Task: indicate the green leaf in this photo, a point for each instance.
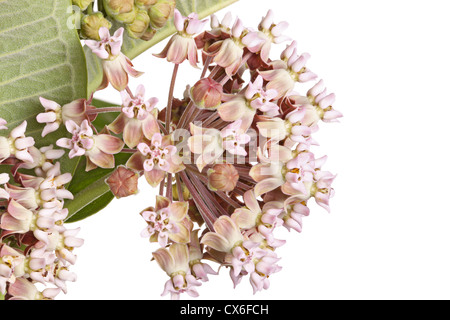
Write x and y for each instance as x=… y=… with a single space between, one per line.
x=39 y=56
x=132 y=47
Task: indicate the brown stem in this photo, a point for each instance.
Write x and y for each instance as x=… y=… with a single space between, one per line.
x=205 y=68
x=129 y=92
x=189 y=109
x=216 y=208
x=103 y=110
x=179 y=188
x=169 y=193
x=170 y=101
x=161 y=187
x=201 y=206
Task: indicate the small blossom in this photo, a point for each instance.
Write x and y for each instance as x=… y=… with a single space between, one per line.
x=11 y=266
x=137 y=119
x=270 y=33
x=3 y=124
x=182 y=45
x=175 y=262
x=227 y=235
x=116 y=66
x=17 y=144
x=233 y=138
x=229 y=53
x=198 y=269
x=156 y=159
x=252 y=216
x=23 y=289
x=285 y=73
x=98 y=149
x=245 y=105
x=165 y=222
x=54 y=114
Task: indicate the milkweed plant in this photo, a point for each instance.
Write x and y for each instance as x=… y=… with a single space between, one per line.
x=230 y=157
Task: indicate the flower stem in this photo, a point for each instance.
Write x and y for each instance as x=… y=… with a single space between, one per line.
x=104 y=110
x=170 y=100
x=205 y=68
x=179 y=187
x=202 y=208
x=169 y=193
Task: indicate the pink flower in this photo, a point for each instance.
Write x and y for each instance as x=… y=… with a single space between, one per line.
x=23 y=289
x=270 y=33
x=156 y=159
x=182 y=45
x=166 y=222
x=322 y=190
x=54 y=114
x=198 y=269
x=300 y=170
x=43 y=159
x=12 y=265
x=225 y=237
x=98 y=149
x=234 y=137
x=207 y=143
x=137 y=119
x=175 y=262
x=3 y=124
x=243 y=106
x=17 y=144
x=285 y=73
x=295 y=210
x=265 y=220
x=116 y=66
x=229 y=53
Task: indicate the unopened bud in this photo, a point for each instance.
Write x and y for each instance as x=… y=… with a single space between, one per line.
x=149 y=34
x=83 y=4
x=161 y=12
x=121 y=10
x=145 y=4
x=222 y=177
x=91 y=24
x=207 y=94
x=123 y=182
x=118 y=6
x=140 y=25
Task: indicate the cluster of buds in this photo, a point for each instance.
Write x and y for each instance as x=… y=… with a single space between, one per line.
x=35 y=246
x=141 y=18
x=232 y=158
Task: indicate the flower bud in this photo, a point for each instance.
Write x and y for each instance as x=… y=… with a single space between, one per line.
x=140 y=25
x=91 y=24
x=207 y=94
x=145 y=4
x=161 y=12
x=222 y=177
x=121 y=10
x=83 y=4
x=149 y=34
x=123 y=182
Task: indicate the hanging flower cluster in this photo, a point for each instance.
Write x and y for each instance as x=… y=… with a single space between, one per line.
x=232 y=158
x=36 y=248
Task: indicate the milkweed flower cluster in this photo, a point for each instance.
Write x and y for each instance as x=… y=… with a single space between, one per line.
x=36 y=249
x=232 y=157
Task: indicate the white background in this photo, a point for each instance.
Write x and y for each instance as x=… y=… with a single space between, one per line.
x=388 y=234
